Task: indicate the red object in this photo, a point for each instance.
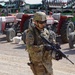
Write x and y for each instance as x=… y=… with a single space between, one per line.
x=3 y=27
x=50 y=20
x=62 y=19
x=24 y=18
x=6 y=19
x=17 y=11
x=50 y=13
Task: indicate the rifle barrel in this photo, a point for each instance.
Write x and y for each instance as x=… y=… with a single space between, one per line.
x=54 y=48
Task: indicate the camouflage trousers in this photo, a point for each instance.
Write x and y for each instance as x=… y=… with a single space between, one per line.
x=40 y=69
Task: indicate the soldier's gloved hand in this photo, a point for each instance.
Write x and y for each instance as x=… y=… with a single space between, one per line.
x=47 y=47
x=57 y=46
x=58 y=56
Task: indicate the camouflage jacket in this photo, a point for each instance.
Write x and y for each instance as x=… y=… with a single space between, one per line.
x=35 y=45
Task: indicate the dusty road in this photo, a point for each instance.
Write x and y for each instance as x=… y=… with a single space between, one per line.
x=14 y=58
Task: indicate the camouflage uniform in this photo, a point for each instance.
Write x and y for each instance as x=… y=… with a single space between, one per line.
x=41 y=61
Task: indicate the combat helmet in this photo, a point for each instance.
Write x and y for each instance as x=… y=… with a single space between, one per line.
x=39 y=16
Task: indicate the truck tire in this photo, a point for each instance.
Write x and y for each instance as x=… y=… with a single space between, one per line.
x=24 y=37
x=10 y=33
x=66 y=29
x=71 y=38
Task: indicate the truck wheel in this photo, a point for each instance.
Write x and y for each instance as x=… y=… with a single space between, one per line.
x=71 y=40
x=66 y=29
x=10 y=34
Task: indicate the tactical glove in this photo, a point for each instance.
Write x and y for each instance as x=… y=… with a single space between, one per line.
x=57 y=46
x=47 y=47
x=58 y=56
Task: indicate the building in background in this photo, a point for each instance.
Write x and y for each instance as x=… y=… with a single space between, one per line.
x=14 y=5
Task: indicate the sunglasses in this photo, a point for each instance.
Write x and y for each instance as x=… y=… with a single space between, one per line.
x=41 y=22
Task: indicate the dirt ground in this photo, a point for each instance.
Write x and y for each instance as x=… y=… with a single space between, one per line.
x=14 y=59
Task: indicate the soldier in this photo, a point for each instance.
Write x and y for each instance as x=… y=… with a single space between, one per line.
x=40 y=53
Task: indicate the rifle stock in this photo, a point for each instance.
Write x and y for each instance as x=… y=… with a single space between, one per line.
x=54 y=48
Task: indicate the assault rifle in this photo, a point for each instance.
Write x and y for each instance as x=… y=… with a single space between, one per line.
x=54 y=48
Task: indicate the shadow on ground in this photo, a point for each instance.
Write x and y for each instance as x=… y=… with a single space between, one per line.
x=3 y=40
x=70 y=51
x=20 y=46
